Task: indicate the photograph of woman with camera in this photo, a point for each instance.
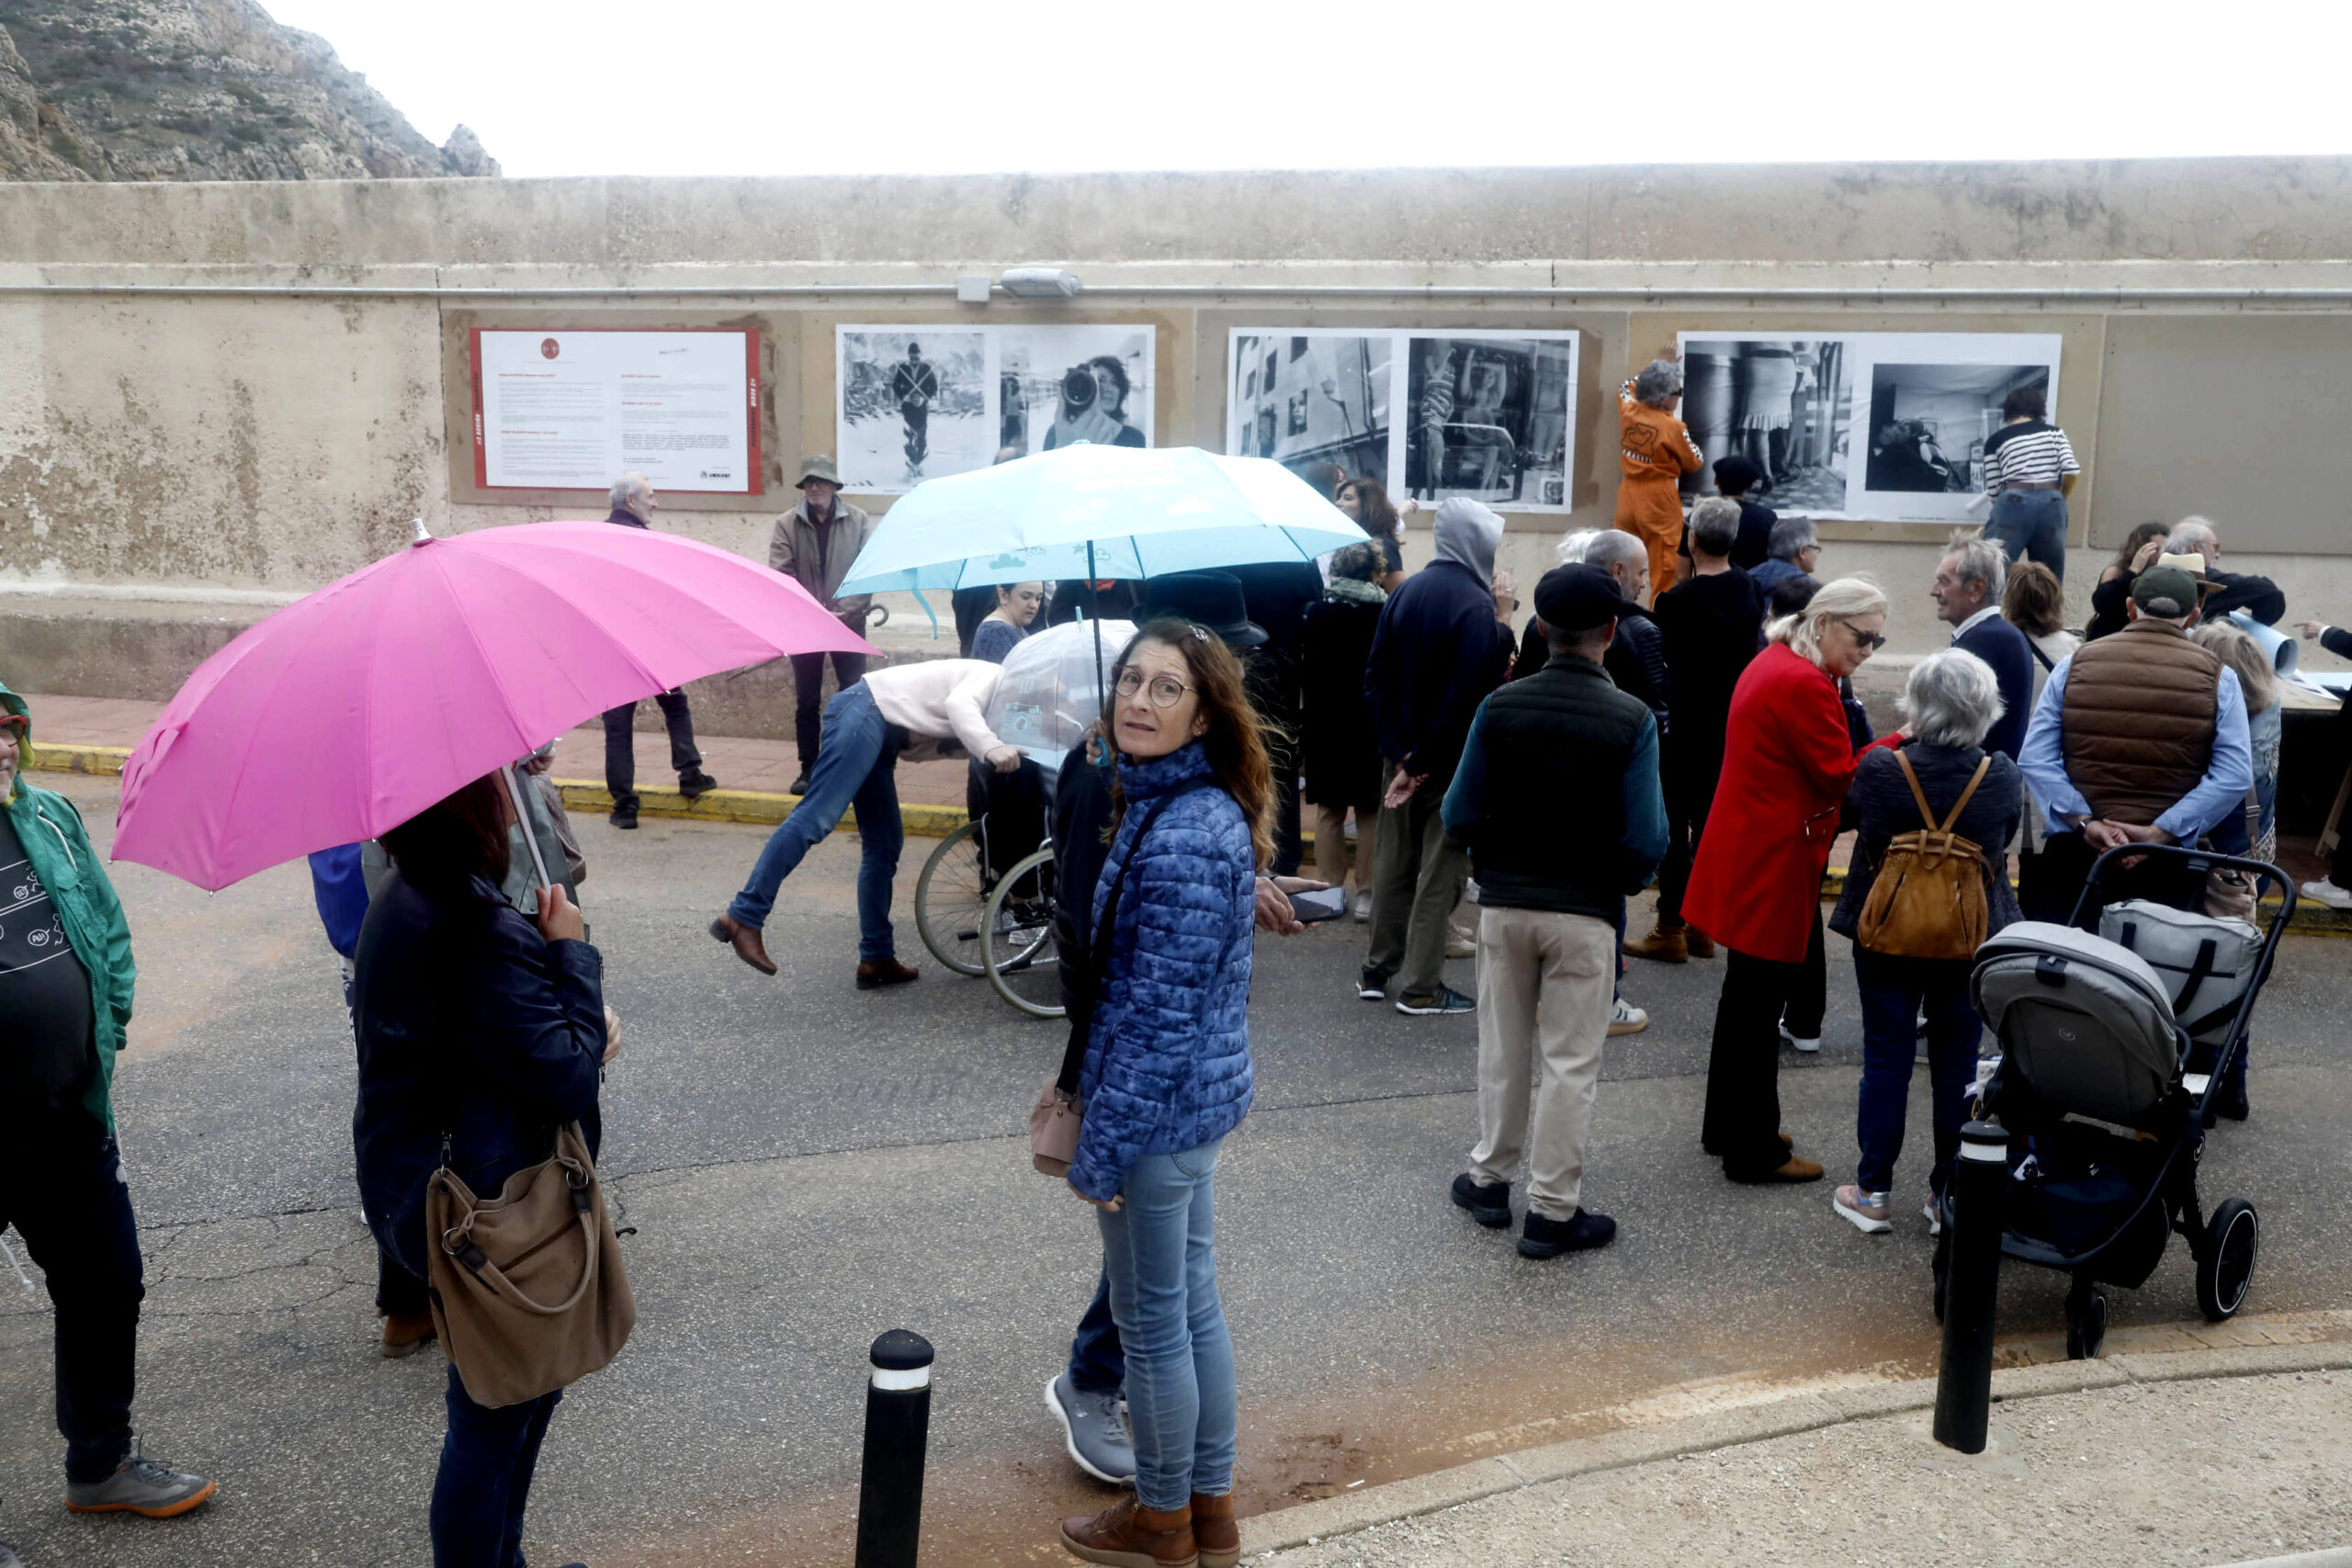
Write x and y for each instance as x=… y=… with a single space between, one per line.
x=1095 y=406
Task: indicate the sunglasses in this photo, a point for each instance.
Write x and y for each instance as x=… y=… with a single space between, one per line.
x=1872 y=640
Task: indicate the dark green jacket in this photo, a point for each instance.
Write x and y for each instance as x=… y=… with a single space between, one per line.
x=62 y=856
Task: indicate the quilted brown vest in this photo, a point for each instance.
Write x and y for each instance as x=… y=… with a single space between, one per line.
x=2136 y=726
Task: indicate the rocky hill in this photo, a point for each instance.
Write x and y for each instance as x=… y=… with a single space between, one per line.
x=195 y=90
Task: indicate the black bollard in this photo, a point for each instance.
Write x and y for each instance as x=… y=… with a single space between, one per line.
x=898 y=1425
x=1980 y=1181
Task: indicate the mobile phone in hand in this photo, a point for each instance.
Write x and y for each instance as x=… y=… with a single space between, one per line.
x=1327 y=905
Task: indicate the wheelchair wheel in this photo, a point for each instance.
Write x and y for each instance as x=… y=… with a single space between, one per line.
x=951 y=900
x=2086 y=1320
x=1017 y=939
x=2225 y=1263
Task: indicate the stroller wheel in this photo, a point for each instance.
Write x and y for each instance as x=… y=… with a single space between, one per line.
x=2085 y=1321
x=2225 y=1264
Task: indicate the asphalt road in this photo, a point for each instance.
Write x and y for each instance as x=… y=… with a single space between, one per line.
x=806 y=1165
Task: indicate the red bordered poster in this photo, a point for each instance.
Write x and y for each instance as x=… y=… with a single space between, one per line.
x=573 y=408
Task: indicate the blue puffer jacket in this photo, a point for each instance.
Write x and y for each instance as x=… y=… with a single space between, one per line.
x=1168 y=1063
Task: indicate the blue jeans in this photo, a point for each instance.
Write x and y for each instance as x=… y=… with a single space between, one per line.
x=1893 y=992
x=486 y=1465
x=856 y=765
x=2031 y=524
x=1098 y=1364
x=1158 y=1252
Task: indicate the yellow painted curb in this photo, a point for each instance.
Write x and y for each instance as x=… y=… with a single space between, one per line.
x=747 y=806
x=77 y=759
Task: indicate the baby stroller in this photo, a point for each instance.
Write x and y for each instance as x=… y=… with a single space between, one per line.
x=2112 y=1043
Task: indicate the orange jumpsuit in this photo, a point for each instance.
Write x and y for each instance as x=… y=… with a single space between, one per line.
x=1655 y=450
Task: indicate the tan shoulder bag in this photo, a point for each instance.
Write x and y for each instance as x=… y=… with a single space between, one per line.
x=528 y=1290
x=1928 y=900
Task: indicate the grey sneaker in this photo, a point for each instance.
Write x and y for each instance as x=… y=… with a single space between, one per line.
x=1093 y=1430
x=1443 y=1002
x=140 y=1487
x=8 y=1558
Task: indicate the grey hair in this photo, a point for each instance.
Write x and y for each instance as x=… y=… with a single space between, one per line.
x=2192 y=535
x=628 y=490
x=1840 y=600
x=1952 y=699
x=1976 y=559
x=1613 y=547
x=1658 y=383
x=1791 y=537
x=1715 y=525
x=2257 y=677
x=1573 y=546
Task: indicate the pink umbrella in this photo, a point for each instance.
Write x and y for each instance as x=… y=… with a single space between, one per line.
x=347 y=712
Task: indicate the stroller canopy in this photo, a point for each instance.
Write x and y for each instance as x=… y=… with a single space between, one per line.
x=2083 y=1020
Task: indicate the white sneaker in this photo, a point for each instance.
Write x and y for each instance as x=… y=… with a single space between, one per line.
x=1808 y=1045
x=1627 y=1019
x=1460 y=942
x=1363 y=909
x=2327 y=893
x=1870 y=1212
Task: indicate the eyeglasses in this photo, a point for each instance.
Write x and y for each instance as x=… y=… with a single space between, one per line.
x=1872 y=640
x=1166 y=690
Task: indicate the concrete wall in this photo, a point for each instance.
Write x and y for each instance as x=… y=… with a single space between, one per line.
x=172 y=462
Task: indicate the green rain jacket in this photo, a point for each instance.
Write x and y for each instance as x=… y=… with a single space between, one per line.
x=59 y=848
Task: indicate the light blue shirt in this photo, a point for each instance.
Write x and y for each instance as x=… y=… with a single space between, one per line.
x=2228 y=775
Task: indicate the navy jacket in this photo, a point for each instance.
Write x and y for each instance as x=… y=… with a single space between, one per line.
x=1435 y=655
x=469 y=1024
x=2000 y=644
x=1168 y=1063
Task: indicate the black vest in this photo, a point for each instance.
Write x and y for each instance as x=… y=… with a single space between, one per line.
x=1550 y=831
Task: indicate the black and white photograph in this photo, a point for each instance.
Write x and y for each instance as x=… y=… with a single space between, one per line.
x=1305 y=398
x=1785 y=404
x=913 y=406
x=1490 y=417
x=1057 y=385
x=1929 y=423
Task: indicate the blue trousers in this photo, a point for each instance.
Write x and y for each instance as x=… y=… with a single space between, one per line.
x=856 y=765
x=487 y=1461
x=1160 y=1255
x=2031 y=524
x=1098 y=1364
x=1894 y=990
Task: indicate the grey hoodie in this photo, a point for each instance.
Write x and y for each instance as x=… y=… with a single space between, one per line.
x=1469 y=533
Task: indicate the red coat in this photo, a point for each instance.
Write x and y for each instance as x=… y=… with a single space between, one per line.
x=1756 y=886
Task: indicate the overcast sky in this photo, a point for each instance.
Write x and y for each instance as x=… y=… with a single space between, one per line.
x=858 y=86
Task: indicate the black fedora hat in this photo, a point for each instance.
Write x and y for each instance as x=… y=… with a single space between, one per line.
x=1210 y=599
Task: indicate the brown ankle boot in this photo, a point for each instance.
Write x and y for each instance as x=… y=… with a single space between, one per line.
x=1128 y=1535
x=405 y=1333
x=1665 y=944
x=1700 y=943
x=889 y=972
x=1214 y=1530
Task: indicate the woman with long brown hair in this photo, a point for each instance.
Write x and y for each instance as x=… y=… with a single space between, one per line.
x=1167 y=1075
x=1367 y=505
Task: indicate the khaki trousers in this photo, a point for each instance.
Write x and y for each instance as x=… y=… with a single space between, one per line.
x=1417 y=880
x=1545 y=981
x=1331 y=846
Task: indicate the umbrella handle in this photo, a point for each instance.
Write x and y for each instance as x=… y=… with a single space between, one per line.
x=512 y=776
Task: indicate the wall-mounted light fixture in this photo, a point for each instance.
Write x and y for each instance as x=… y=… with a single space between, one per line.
x=1040 y=283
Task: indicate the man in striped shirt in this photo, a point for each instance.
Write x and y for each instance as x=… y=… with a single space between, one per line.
x=2026 y=465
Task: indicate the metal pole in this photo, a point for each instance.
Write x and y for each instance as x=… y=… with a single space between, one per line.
x=1980 y=1179
x=898 y=1425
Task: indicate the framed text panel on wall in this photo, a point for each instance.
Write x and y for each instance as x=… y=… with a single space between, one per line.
x=560 y=409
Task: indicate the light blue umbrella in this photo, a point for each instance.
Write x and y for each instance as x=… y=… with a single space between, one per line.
x=1095 y=512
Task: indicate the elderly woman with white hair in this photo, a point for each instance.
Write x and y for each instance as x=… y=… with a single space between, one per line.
x=1952 y=700
x=1756 y=886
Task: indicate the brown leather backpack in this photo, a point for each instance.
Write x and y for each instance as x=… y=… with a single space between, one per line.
x=1928 y=900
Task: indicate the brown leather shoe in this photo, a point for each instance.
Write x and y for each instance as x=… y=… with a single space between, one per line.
x=1699 y=944
x=1214 y=1530
x=1666 y=945
x=745 y=941
x=1128 y=1535
x=890 y=971
x=406 y=1334
x=1797 y=1169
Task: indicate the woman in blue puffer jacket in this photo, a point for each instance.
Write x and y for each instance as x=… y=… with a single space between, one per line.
x=1167 y=1077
